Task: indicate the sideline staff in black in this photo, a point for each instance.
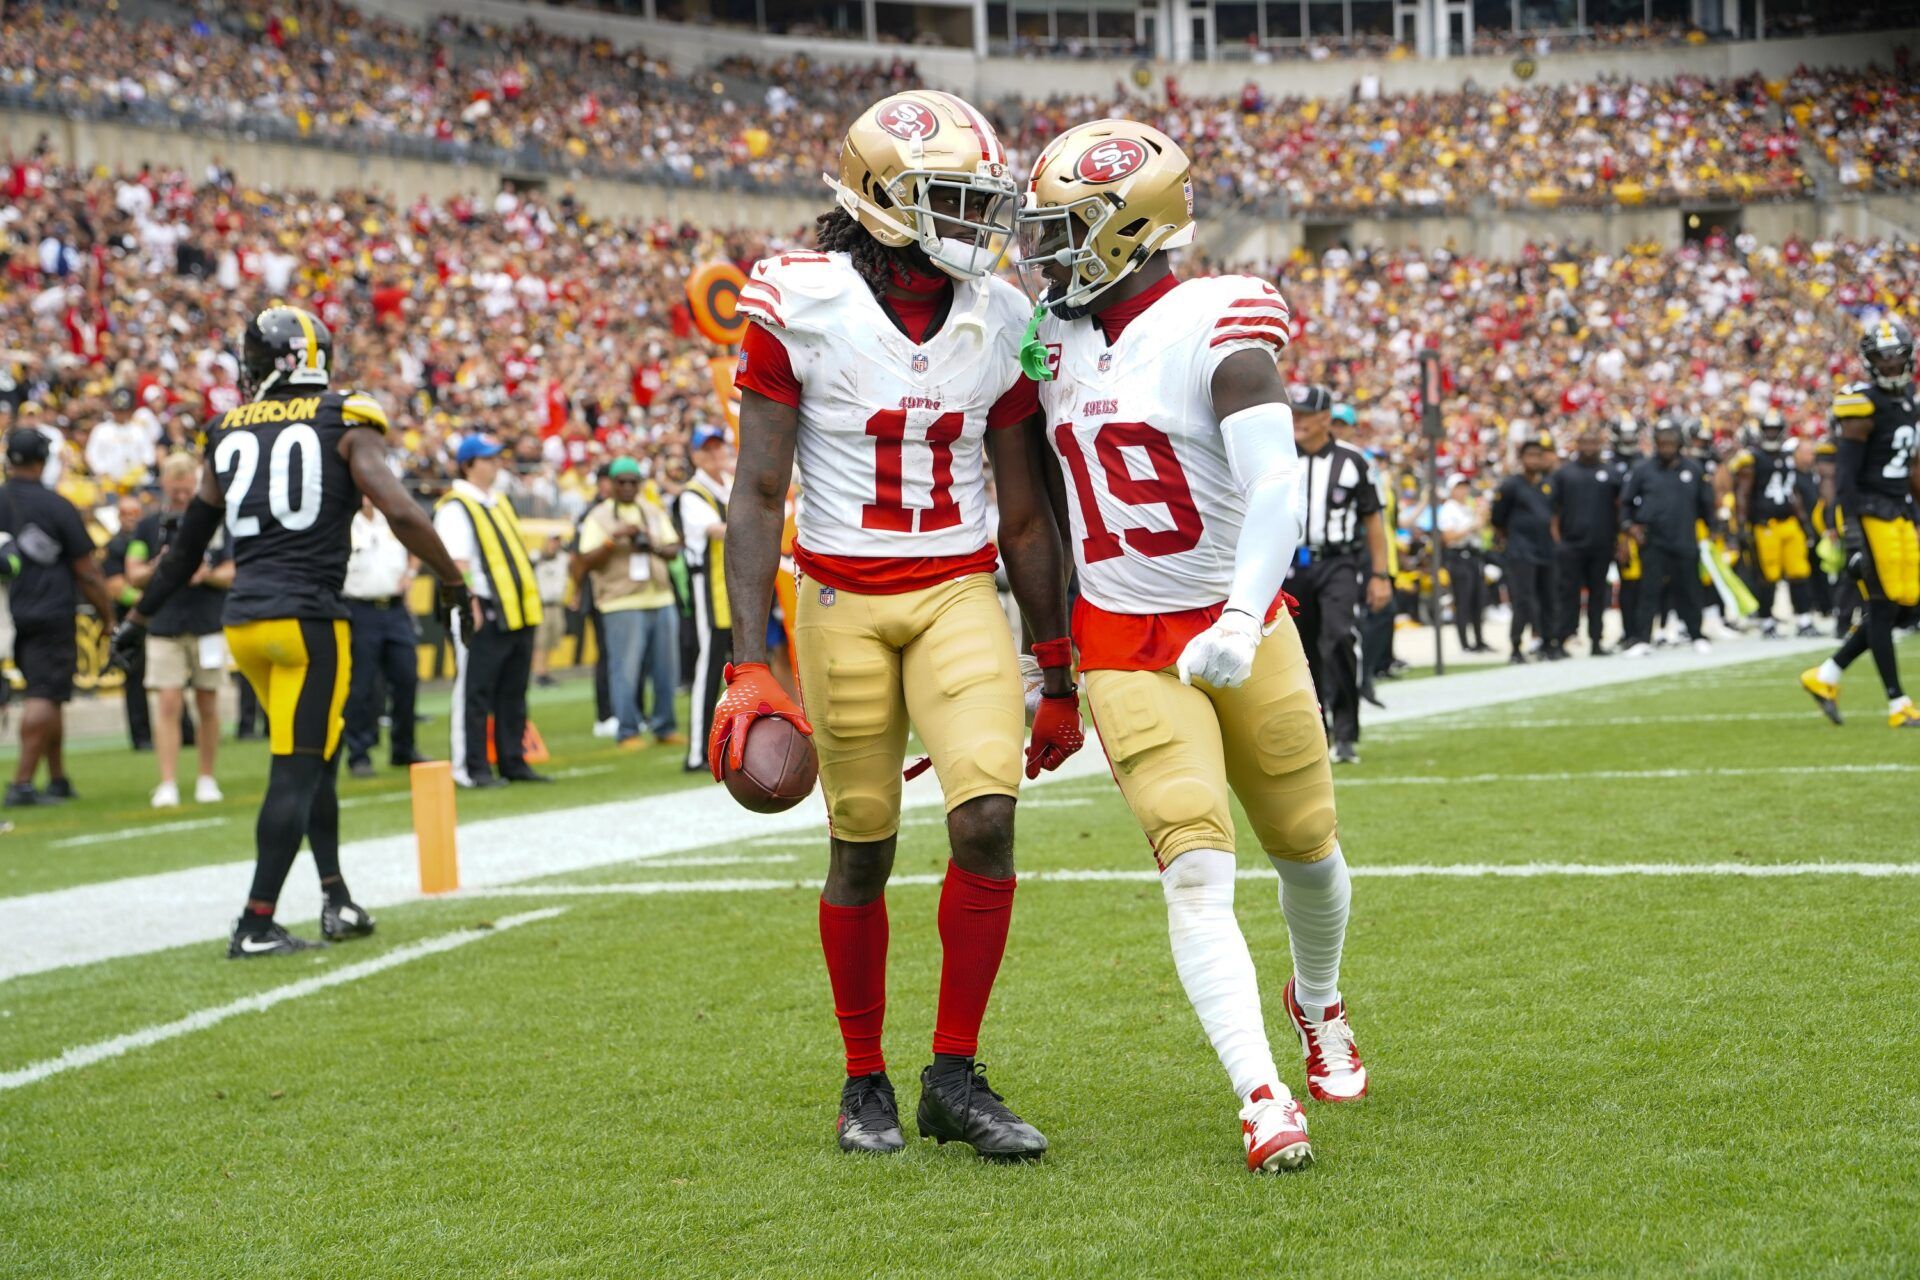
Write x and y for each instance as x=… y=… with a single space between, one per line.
x=1523 y=515
x=1342 y=559
x=1586 y=504
x=44 y=535
x=1665 y=495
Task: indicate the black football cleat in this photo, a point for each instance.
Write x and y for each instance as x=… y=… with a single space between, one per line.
x=348 y=920
x=271 y=941
x=960 y=1106
x=60 y=790
x=869 y=1116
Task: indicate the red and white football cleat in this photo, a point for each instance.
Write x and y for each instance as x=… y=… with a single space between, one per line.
x=1334 y=1070
x=1275 y=1131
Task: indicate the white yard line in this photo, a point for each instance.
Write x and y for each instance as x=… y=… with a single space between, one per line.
x=50 y=930
x=139 y=833
x=1491 y=723
x=1619 y=775
x=1462 y=871
x=101 y=1050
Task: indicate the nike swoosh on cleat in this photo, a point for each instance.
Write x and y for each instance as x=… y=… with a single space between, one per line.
x=246 y=945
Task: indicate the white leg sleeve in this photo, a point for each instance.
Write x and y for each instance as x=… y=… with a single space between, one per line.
x=1215 y=967
x=1314 y=897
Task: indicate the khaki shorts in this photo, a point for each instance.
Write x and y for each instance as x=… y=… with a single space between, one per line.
x=941 y=659
x=1177 y=749
x=175 y=662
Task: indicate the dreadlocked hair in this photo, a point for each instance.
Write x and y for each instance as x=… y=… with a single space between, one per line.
x=837 y=231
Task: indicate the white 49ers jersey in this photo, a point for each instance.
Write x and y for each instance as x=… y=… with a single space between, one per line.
x=1156 y=512
x=891 y=431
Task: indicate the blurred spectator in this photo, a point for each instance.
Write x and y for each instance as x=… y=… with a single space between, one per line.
x=385 y=656
x=703 y=526
x=186 y=645
x=44 y=535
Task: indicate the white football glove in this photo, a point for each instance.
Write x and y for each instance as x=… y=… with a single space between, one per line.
x=1222 y=655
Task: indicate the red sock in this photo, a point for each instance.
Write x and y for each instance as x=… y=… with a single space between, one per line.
x=855 y=941
x=974 y=915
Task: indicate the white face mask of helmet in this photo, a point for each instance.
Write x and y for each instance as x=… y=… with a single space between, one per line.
x=963 y=222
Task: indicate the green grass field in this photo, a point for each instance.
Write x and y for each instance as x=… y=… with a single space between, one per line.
x=1572 y=1074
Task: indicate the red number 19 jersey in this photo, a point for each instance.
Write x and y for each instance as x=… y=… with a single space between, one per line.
x=892 y=431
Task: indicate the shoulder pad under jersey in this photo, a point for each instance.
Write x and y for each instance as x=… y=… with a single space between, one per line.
x=792 y=292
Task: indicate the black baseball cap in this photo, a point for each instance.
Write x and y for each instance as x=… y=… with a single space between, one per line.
x=1312 y=399
x=26 y=446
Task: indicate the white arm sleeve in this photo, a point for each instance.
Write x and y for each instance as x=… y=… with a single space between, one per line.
x=1259 y=444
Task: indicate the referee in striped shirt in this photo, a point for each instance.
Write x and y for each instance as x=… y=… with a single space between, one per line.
x=1341 y=567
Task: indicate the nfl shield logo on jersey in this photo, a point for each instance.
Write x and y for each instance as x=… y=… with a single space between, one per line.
x=1106 y=361
x=919 y=362
x=827 y=597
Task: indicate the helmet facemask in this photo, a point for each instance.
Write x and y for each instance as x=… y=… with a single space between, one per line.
x=962 y=222
x=1047 y=240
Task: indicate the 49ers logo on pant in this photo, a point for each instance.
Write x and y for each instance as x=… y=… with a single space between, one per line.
x=909 y=120
x=1111 y=161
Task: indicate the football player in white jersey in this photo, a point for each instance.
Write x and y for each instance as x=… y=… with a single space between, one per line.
x=882 y=363
x=1179 y=475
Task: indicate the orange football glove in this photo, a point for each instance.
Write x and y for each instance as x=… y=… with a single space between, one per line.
x=1056 y=733
x=751 y=692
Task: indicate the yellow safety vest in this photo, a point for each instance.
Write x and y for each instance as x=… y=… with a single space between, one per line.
x=503 y=557
x=715 y=569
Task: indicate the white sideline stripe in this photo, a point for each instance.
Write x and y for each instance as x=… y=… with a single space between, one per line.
x=734 y=860
x=56 y=928
x=136 y=833
x=87 y=1054
x=1462 y=871
x=1589 y=722
x=1620 y=775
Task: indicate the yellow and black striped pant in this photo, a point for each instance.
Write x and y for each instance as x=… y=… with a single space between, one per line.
x=299 y=668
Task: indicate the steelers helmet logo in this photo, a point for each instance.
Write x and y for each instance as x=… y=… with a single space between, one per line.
x=1111 y=161
x=908 y=120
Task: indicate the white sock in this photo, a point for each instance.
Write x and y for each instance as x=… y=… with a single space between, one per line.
x=1829 y=672
x=1315 y=897
x=1210 y=954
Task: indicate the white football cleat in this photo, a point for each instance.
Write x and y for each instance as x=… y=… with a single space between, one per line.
x=1702 y=646
x=207 y=791
x=1640 y=649
x=1334 y=1070
x=166 y=796
x=1275 y=1131
x=606 y=728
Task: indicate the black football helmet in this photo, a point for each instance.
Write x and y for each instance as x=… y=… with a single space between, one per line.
x=1626 y=439
x=1772 y=431
x=1887 y=347
x=285 y=346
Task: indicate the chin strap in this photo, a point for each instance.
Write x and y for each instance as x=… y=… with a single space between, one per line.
x=1033 y=352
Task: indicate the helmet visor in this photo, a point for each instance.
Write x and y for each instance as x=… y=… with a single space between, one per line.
x=1058 y=263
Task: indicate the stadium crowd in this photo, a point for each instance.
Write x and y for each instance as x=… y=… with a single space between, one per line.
x=568 y=336
x=572 y=104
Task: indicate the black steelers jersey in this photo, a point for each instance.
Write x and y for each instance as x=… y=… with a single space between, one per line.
x=290 y=500
x=1891 y=443
x=1775 y=481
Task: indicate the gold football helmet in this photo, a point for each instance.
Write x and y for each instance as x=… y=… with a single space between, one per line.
x=924 y=168
x=1104 y=197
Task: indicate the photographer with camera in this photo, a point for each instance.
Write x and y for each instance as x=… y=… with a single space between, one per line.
x=626 y=543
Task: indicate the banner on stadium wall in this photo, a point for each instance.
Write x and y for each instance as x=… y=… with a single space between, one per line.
x=713 y=294
x=722 y=369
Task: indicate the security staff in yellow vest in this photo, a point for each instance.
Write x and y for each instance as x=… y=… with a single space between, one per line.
x=494 y=666
x=703 y=526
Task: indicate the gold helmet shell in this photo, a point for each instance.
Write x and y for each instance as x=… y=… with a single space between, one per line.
x=925 y=168
x=1104 y=197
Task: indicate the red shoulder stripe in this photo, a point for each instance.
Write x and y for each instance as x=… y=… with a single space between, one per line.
x=757 y=309
x=1264 y=300
x=768 y=285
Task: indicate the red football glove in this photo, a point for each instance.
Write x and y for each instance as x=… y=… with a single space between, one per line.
x=1056 y=733
x=751 y=692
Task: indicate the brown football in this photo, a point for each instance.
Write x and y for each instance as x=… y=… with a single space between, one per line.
x=777 y=770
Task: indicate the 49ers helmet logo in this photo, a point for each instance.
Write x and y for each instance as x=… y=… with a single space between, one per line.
x=907 y=119
x=1111 y=161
